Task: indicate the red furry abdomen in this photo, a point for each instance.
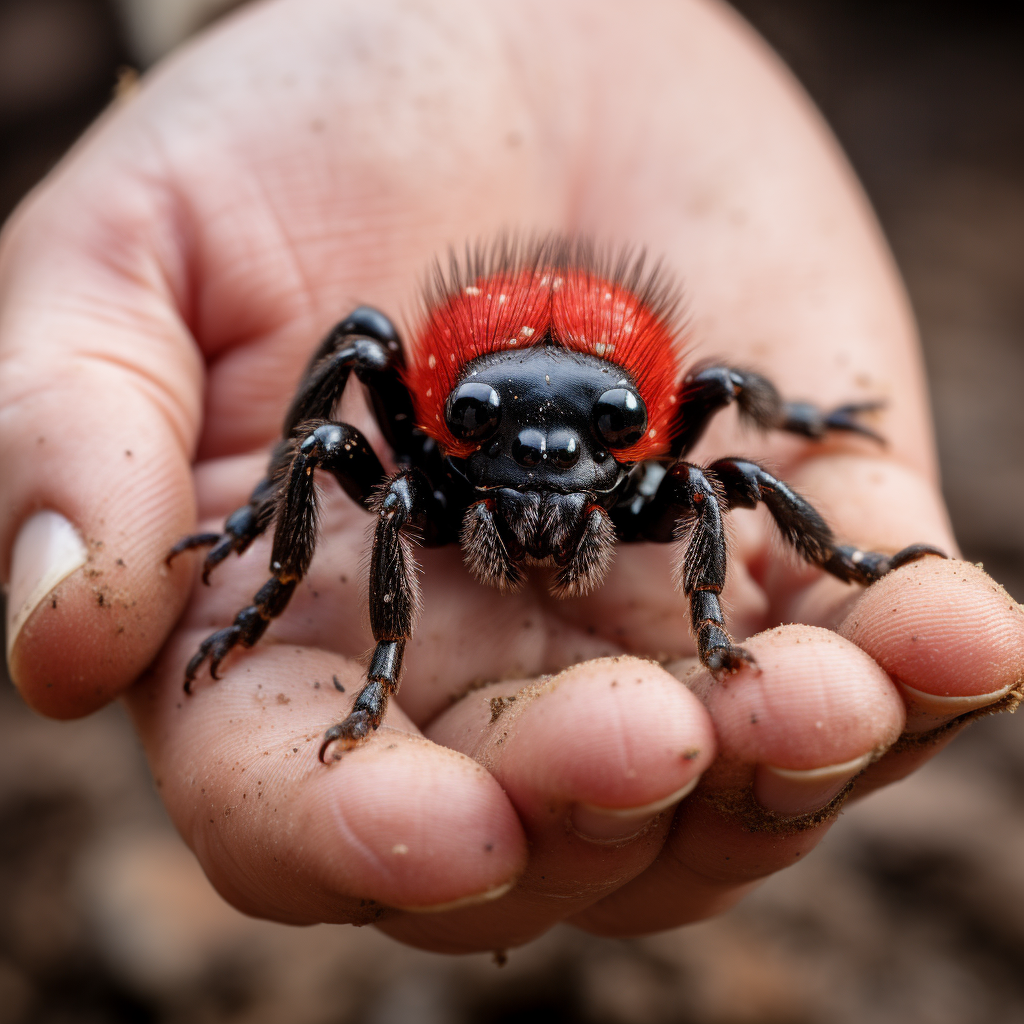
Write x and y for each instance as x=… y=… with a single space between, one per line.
x=517 y=308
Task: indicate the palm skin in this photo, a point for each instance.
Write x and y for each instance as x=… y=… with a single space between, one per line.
x=167 y=285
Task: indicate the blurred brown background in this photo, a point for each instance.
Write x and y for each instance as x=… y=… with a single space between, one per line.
x=913 y=908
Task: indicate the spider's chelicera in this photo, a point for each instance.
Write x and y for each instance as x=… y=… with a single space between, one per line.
x=545 y=415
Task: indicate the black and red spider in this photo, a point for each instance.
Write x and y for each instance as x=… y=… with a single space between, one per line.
x=543 y=415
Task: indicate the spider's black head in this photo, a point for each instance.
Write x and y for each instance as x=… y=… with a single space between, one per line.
x=545 y=418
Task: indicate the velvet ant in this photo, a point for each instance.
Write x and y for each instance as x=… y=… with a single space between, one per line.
x=543 y=414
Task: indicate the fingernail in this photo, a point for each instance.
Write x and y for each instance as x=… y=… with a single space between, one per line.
x=799 y=790
x=927 y=711
x=617 y=824
x=488 y=896
x=47 y=550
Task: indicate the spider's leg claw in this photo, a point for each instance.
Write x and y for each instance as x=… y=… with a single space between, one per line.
x=912 y=553
x=223 y=547
x=846 y=417
x=348 y=734
x=854 y=565
x=196 y=540
x=215 y=647
x=721 y=661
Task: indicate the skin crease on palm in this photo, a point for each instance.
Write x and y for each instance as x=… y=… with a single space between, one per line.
x=160 y=294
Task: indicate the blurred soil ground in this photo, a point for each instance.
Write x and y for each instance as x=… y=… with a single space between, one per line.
x=911 y=911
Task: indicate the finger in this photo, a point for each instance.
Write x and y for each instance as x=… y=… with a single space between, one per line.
x=952 y=640
x=99 y=404
x=594 y=760
x=791 y=738
x=397 y=822
x=947 y=625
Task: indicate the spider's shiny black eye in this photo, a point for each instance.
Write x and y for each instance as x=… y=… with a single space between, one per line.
x=620 y=417
x=473 y=411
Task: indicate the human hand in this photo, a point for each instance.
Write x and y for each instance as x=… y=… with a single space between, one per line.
x=160 y=295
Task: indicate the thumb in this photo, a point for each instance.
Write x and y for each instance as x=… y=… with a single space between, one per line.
x=100 y=401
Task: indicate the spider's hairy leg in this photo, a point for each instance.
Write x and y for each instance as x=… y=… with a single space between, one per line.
x=365 y=341
x=341 y=450
x=746 y=484
x=689 y=495
x=710 y=389
x=407 y=504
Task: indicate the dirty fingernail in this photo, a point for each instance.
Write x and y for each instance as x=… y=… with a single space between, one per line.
x=927 y=711
x=616 y=824
x=799 y=790
x=487 y=896
x=47 y=550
